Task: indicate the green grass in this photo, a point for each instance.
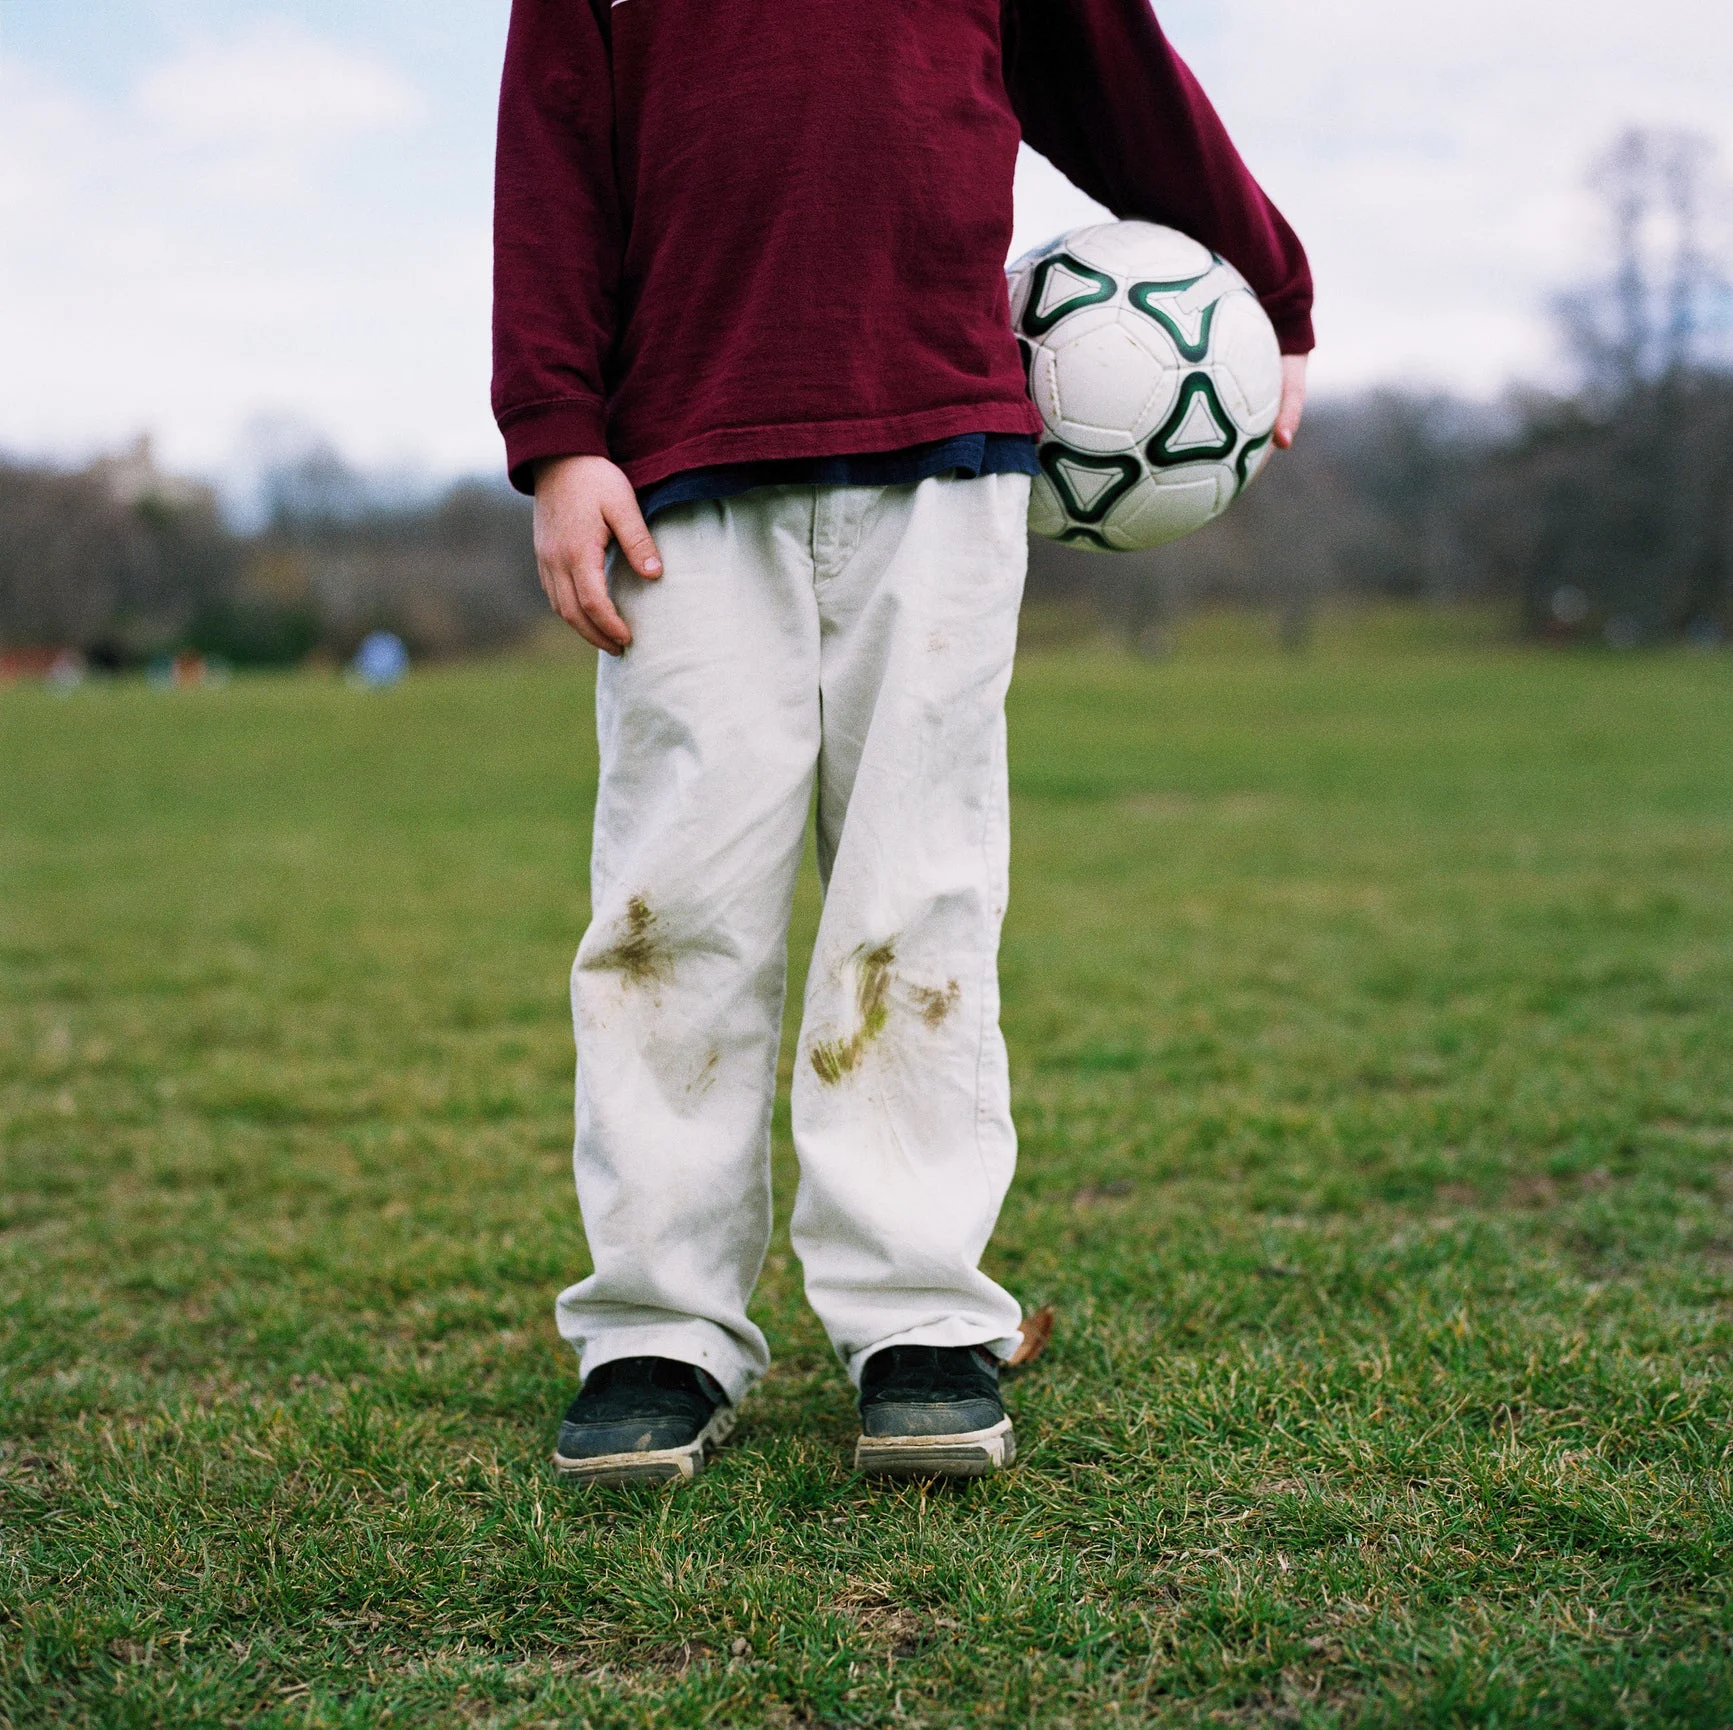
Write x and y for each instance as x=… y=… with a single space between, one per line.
x=1372 y=1023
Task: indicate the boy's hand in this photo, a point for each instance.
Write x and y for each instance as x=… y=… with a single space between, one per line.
x=582 y=503
x=1293 y=399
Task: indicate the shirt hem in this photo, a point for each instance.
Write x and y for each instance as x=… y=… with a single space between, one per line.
x=969 y=455
x=834 y=438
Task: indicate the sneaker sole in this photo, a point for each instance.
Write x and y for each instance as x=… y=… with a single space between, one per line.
x=973 y=1454
x=660 y=1466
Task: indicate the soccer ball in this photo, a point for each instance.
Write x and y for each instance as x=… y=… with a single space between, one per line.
x=1158 y=378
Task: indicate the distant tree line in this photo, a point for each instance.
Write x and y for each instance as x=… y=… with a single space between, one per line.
x=1603 y=518
x=125 y=564
x=449 y=573
x=93 y=561
x=1604 y=514
x=1587 y=518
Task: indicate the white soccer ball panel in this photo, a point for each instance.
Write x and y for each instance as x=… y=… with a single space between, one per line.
x=1233 y=278
x=1046 y=513
x=1140 y=250
x=1168 y=506
x=1246 y=363
x=1105 y=383
x=1042 y=387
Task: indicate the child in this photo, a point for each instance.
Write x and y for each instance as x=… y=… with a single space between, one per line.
x=749 y=286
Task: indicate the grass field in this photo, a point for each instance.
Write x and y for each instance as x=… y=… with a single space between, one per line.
x=1372 y=1024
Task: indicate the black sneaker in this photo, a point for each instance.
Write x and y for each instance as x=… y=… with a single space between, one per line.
x=643 y=1418
x=932 y=1411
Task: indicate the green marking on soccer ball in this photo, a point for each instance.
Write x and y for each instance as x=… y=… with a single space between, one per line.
x=1081 y=537
x=1243 y=466
x=1141 y=295
x=1074 y=283
x=1089 y=486
x=1176 y=287
x=1200 y=429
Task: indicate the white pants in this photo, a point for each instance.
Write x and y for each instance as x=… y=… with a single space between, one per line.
x=863 y=635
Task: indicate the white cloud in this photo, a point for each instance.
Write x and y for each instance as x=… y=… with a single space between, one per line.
x=274 y=83
x=155 y=280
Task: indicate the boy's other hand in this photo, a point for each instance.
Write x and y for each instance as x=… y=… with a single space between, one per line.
x=583 y=503
x=1293 y=399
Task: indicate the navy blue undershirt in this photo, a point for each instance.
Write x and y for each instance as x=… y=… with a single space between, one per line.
x=968 y=455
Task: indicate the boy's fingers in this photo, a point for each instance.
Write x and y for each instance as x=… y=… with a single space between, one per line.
x=1288 y=420
x=627 y=522
x=1293 y=404
x=562 y=592
x=593 y=597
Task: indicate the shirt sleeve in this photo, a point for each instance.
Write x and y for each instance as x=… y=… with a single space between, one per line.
x=557 y=235
x=1102 y=95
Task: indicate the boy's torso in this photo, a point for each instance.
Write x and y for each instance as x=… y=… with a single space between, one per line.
x=817 y=209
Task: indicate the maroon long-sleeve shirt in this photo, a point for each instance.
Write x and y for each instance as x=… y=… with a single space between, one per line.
x=742 y=230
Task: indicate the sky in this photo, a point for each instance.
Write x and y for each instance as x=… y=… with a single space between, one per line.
x=220 y=215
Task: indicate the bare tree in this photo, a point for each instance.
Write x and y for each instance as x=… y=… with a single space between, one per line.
x=1651 y=316
x=117 y=559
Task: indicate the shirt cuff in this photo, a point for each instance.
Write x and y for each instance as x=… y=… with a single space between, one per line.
x=570 y=427
x=1294 y=332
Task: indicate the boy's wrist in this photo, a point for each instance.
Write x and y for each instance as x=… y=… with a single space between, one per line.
x=555 y=468
x=549 y=431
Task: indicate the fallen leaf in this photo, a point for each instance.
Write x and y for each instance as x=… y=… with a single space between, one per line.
x=1037 y=1331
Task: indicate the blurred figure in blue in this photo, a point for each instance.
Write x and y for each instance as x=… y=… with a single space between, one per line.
x=381 y=660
